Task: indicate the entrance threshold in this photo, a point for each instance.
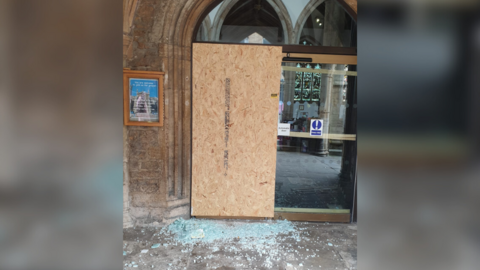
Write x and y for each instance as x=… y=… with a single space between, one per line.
x=312 y=210
x=299 y=214
x=313 y=214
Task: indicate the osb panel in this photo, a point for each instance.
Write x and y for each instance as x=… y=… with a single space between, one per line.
x=234 y=139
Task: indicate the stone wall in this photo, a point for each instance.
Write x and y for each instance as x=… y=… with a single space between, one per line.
x=157 y=159
x=146 y=148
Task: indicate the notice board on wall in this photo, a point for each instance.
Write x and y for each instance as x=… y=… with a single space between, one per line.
x=235 y=91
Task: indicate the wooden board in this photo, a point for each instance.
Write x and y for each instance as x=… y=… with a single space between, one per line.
x=234 y=129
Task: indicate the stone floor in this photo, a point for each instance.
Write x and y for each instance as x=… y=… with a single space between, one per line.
x=309 y=246
x=308 y=181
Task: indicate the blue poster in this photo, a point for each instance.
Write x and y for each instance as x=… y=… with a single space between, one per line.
x=144 y=100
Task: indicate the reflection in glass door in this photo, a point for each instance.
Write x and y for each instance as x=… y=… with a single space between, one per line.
x=316 y=174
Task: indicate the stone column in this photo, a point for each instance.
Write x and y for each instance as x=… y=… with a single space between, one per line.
x=333 y=27
x=129 y=9
x=288 y=92
x=349 y=161
x=127 y=219
x=325 y=104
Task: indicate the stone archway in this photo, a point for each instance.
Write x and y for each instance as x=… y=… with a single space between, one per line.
x=205 y=29
x=227 y=5
x=310 y=7
x=302 y=18
x=157 y=160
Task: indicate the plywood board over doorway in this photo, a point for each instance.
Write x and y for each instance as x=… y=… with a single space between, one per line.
x=234 y=124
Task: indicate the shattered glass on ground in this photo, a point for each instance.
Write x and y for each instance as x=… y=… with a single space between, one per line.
x=227 y=244
x=186 y=230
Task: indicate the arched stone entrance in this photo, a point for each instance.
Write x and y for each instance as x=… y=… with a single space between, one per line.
x=157 y=160
x=227 y=5
x=309 y=8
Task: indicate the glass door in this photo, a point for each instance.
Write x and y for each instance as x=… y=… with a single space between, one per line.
x=316 y=145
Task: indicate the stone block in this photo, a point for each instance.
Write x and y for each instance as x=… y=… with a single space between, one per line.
x=177 y=203
x=154 y=154
x=137 y=155
x=143 y=187
x=139 y=145
x=145 y=12
x=152 y=52
x=162 y=50
x=139 y=212
x=143 y=175
x=140 y=45
x=147 y=216
x=156 y=64
x=148 y=200
x=134 y=165
x=151 y=165
x=179 y=211
x=127 y=220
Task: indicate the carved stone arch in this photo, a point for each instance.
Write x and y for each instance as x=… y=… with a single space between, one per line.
x=182 y=37
x=350 y=7
x=277 y=5
x=302 y=18
x=284 y=18
x=217 y=23
x=206 y=27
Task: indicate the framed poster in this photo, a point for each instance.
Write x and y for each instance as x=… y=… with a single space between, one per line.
x=142 y=98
